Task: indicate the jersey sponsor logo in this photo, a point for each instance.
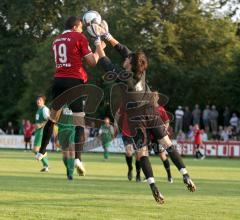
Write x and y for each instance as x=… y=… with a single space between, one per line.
x=37 y=117
x=67 y=111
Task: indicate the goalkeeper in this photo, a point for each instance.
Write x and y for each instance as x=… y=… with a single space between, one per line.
x=138 y=94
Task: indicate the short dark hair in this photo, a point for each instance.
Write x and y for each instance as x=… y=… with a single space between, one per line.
x=72 y=21
x=139 y=63
x=41 y=97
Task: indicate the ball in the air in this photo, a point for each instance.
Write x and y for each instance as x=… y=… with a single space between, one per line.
x=89 y=18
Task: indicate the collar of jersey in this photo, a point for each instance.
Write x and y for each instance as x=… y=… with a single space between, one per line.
x=66 y=31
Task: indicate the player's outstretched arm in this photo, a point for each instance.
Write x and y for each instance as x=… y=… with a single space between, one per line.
x=121 y=49
x=104 y=61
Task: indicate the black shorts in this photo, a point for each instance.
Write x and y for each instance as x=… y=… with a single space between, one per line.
x=27 y=139
x=150 y=121
x=61 y=85
x=127 y=141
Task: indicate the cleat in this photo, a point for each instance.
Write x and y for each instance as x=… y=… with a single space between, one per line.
x=70 y=177
x=156 y=194
x=189 y=183
x=44 y=169
x=40 y=156
x=79 y=167
x=130 y=175
x=170 y=180
x=138 y=178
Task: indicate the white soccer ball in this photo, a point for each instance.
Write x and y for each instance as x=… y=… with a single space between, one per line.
x=90 y=18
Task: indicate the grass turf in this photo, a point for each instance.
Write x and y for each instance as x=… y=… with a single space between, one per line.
x=105 y=193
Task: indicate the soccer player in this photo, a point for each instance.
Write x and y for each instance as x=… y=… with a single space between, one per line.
x=66 y=134
x=41 y=118
x=70 y=49
x=129 y=145
x=27 y=131
x=129 y=151
x=198 y=142
x=106 y=133
x=158 y=149
x=136 y=63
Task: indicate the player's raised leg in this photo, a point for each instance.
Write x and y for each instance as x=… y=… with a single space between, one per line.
x=148 y=172
x=178 y=162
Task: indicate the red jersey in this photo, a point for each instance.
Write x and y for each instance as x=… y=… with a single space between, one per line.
x=69 y=49
x=123 y=119
x=28 y=130
x=163 y=114
x=198 y=136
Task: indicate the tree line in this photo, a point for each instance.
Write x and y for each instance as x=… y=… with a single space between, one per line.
x=194 y=55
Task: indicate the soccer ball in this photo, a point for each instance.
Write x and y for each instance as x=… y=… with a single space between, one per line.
x=90 y=18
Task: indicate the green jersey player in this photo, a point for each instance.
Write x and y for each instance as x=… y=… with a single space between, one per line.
x=66 y=134
x=106 y=133
x=41 y=118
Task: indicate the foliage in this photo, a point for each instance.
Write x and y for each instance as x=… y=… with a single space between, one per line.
x=193 y=55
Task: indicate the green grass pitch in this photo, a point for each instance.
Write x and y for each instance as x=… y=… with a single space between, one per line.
x=105 y=192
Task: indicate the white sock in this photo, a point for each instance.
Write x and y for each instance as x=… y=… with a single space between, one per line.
x=150 y=180
x=183 y=171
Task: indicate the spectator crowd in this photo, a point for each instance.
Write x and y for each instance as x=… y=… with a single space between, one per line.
x=213 y=125
x=222 y=126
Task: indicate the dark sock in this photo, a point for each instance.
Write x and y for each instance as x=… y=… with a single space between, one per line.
x=146 y=167
x=129 y=162
x=105 y=154
x=175 y=157
x=47 y=133
x=167 y=167
x=66 y=164
x=198 y=154
x=70 y=165
x=138 y=166
x=25 y=146
x=78 y=151
x=79 y=142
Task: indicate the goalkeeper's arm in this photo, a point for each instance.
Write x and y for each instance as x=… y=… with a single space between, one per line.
x=122 y=49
